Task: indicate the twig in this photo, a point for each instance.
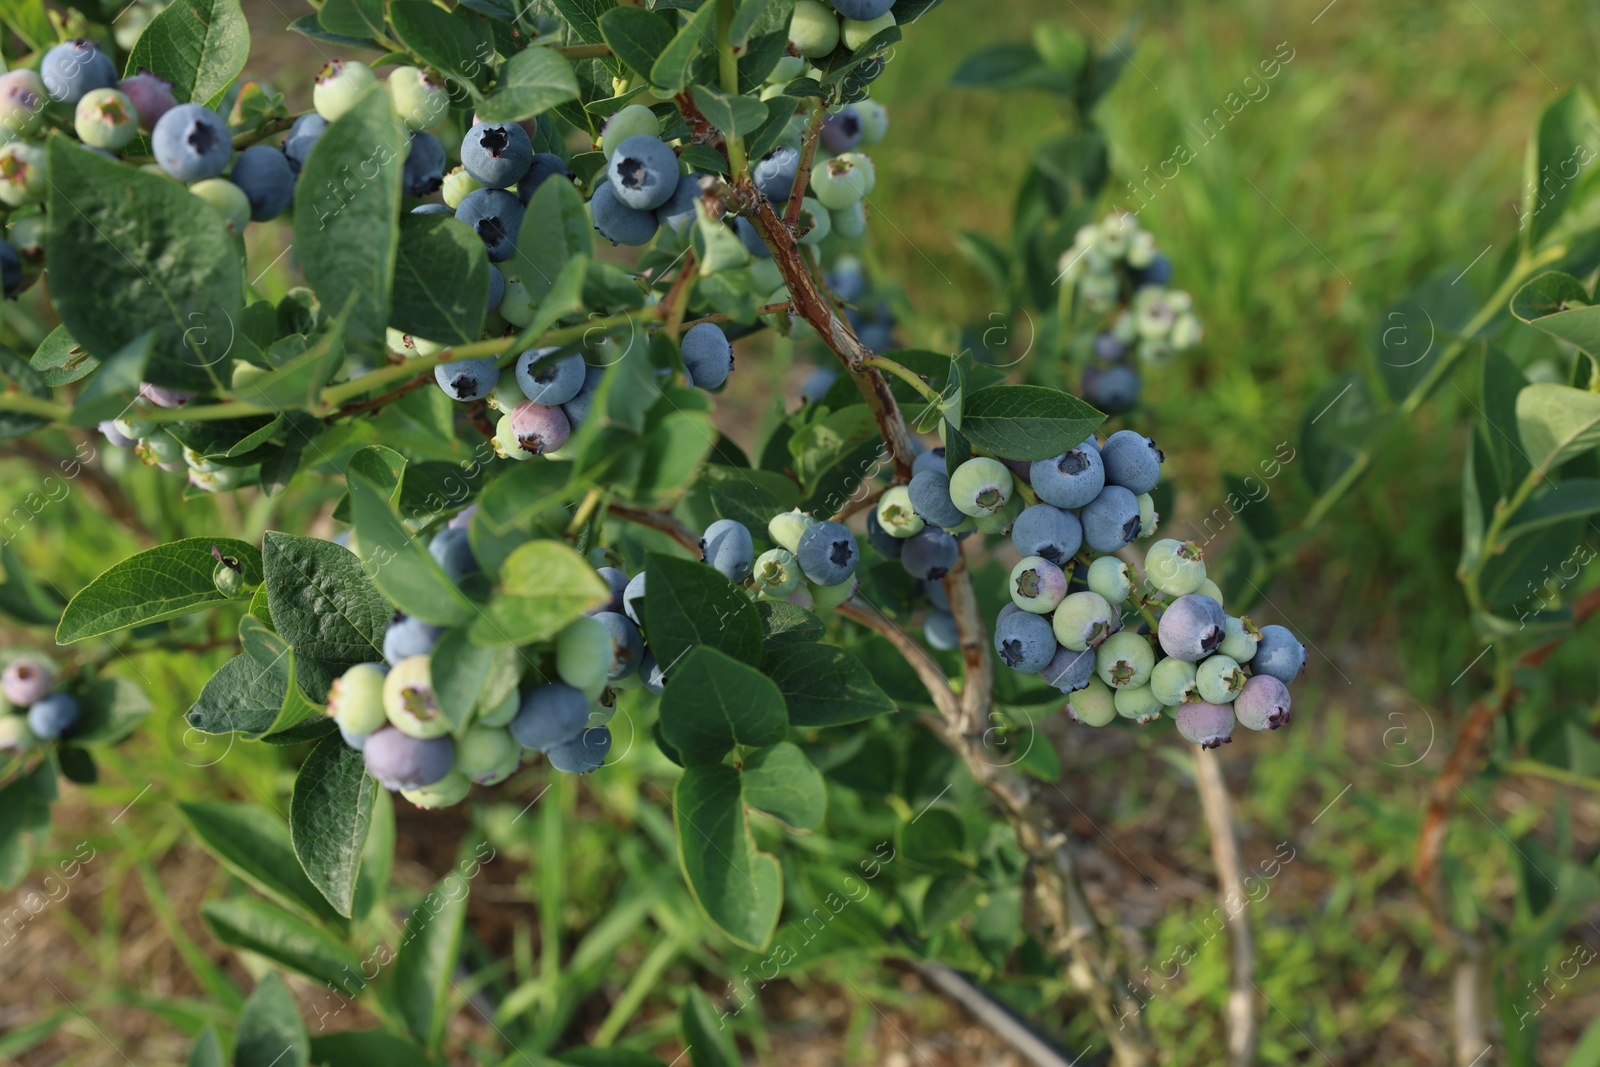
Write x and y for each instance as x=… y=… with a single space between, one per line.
x=1241 y=1014
x=677 y=298
x=658 y=520
x=857 y=506
x=808 y=153
x=381 y=399
x=584 y=51
x=764 y=309
x=1005 y=1023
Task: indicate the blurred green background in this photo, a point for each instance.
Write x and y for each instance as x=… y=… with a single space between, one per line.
x=1389 y=148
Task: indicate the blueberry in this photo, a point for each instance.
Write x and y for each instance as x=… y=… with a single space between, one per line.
x=409 y=637
x=1000 y=522
x=72 y=68
x=856 y=33
x=1108 y=347
x=839 y=182
x=487 y=755
x=26 y=681
x=1037 y=585
x=584 y=654
x=114 y=436
x=895 y=513
x=1173 y=682
x=1111 y=519
x=631 y=597
x=452 y=552
x=1192 y=627
x=355 y=699
x=1158 y=272
x=650 y=674
x=938 y=596
x=817 y=383
x=420 y=99
x=707 y=355
x=409 y=700
x=841 y=131
x=1109 y=577
x=399 y=761
x=644 y=172
x=930 y=555
x=786 y=528
x=339 y=85
x=1093 y=705
x=1149 y=518
x=1175 y=568
x=627 y=644
x=495 y=216
x=813 y=29
x=11 y=275
x=229 y=200
x=1048 y=531
x=302 y=135
x=354 y=740
x=52 y=716
x=930 y=495
x=538 y=430
x=577 y=409
x=496 y=154
x=774 y=173
x=457 y=185
x=266 y=177
x=1113 y=389
x=1209 y=588
x=828 y=597
x=885 y=542
x=616 y=581
x=1132 y=461
x=850 y=222
x=752 y=238
x=727 y=547
x=1069 y=670
x=827 y=553
x=1023 y=642
x=551 y=714
x=777 y=572
x=815 y=222
x=450 y=790
x=678 y=211
x=22 y=98
x=616 y=221
x=22 y=174
x=1070 y=480
x=1263 y=703
x=1207 y=725
x=1084 y=620
x=191 y=142
x=1278 y=654
x=1138 y=703
x=931 y=460
x=547 y=381
x=1124 y=660
x=874 y=121
x=423 y=173
x=1219 y=679
x=862 y=10
x=437 y=209
x=545 y=165
x=631 y=121
x=497 y=286
x=1240 y=639
x=105 y=118
x=981 y=486
x=939 y=629
x=584 y=753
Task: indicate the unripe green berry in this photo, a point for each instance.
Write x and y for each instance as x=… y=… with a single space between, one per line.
x=1093 y=705
x=813 y=29
x=837 y=183
x=22 y=174
x=583 y=654
x=160 y=447
x=1138 y=703
x=447 y=792
x=1124 y=660
x=421 y=101
x=517 y=307
x=785 y=529
x=227 y=579
x=487 y=755
x=1219 y=679
x=1173 y=682
x=1211 y=589
x=630 y=121
x=502 y=713
x=457 y=184
x=981 y=486
x=1084 y=620
x=228 y=199
x=999 y=524
x=409 y=701
x=245 y=374
x=105 y=118
x=1240 y=639
x=339 y=85
x=857 y=33
x=828 y=597
x=22 y=101
x=1109 y=577
x=1037 y=585
x=355 y=699
x=896 y=515
x=1149 y=518
x=776 y=572
x=1176 y=568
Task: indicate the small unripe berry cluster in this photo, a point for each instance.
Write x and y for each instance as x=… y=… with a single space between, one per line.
x=813 y=565
x=158 y=448
x=44 y=712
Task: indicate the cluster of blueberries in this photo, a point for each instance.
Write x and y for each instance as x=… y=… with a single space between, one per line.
x=817 y=28
x=158 y=448
x=1115 y=269
x=50 y=713
x=813 y=566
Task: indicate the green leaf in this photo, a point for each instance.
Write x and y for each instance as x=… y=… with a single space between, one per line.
x=441 y=280
x=207 y=1050
x=1559 y=305
x=199 y=46
x=114 y=386
x=1524 y=571
x=131 y=253
x=1557 y=422
x=544 y=585
x=322 y=601
x=160 y=583
x=464 y=673
x=739 y=889
x=1026 y=422
x=1008 y=65
x=713 y=702
x=456 y=45
x=14 y=369
x=735 y=116
x=330 y=814
x=824 y=685
x=346 y=208
x=638 y=37
x=424 y=969
x=363 y=1048
x=269 y=931
x=532 y=82
x=398 y=563
x=687 y=604
x=274 y=655
x=22 y=596
x=555 y=229
x=671 y=70
x=783 y=623
x=782 y=782
x=1499 y=385
x=60 y=360
x=354 y=20
x=270 y=1032
x=703 y=1031
x=1568 y=141
x=1575 y=498
x=584 y=17
x=242 y=696
x=780 y=109
x=747 y=502
x=935 y=840
x=254 y=845
x=111 y=709
x=756 y=17
x=1412 y=333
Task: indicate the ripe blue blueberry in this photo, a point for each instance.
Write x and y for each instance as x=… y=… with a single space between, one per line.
x=931 y=460
x=616 y=221
x=407 y=638
x=584 y=753
x=1048 y=531
x=930 y=494
x=452 y=551
x=727 y=547
x=1132 y=461
x=751 y=237
x=1263 y=703
x=545 y=165
x=863 y=10
x=355 y=699
x=577 y=409
x=1109 y=577
x=550 y=715
x=10 y=269
x=616 y=581
x=1241 y=639
x=939 y=596
x=548 y=381
x=1023 y=642
x=26 y=681
x=1113 y=389
x=53 y=716
x=1084 y=620
x=1138 y=703
x=644 y=172
x=827 y=553
x=1207 y=725
x=467 y=379
x=885 y=542
x=816 y=385
x=399 y=761
x=409 y=700
x=678 y=211
x=1192 y=627
x=939 y=629
x=1093 y=705
x=1157 y=273
x=74 y=67
x=1037 y=585
x=302 y=135
x=1176 y=568
x=495 y=216
x=1108 y=347
x=340 y=83
x=1278 y=654
x=1070 y=480
x=266 y=177
x=191 y=143
x=423 y=173
x=1069 y=670
x=1124 y=660
x=895 y=514
x=496 y=154
x=841 y=131
x=774 y=173
x=1173 y=681
x=627 y=644
x=497 y=280
x=538 y=430
x=930 y=554
x=1219 y=679
x=631 y=597
x=1111 y=519
x=707 y=355
x=650 y=674
x=981 y=486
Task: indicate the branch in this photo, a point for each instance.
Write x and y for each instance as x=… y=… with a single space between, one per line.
x=1218 y=807
x=808 y=154
x=658 y=520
